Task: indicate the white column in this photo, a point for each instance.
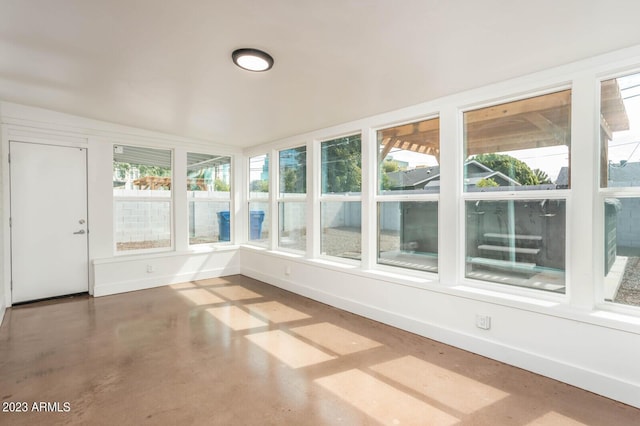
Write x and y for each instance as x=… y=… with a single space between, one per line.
x=584 y=233
x=368 y=204
x=451 y=206
x=180 y=202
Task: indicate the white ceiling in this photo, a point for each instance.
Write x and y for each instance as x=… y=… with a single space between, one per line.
x=165 y=64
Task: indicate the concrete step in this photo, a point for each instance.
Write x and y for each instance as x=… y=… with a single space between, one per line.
x=503 y=264
x=515 y=237
x=507 y=249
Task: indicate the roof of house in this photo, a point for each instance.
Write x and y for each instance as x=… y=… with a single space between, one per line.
x=430 y=176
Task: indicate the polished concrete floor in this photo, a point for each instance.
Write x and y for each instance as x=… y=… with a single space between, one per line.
x=235 y=351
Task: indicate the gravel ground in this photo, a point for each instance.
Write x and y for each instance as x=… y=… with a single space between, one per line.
x=629 y=291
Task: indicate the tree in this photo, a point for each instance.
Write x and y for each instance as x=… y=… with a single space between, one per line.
x=542 y=176
x=341 y=165
x=220 y=185
x=509 y=166
x=388 y=166
x=486 y=182
x=293 y=170
x=259 y=186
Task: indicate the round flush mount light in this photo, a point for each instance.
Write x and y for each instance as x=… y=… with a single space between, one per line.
x=252 y=59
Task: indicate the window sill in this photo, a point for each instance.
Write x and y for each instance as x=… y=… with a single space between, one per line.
x=156 y=255
x=543 y=304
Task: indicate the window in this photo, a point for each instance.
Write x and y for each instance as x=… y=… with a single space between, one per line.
x=620 y=183
x=340 y=202
x=259 y=199
x=512 y=236
x=292 y=225
x=408 y=188
x=520 y=145
x=142 y=198
x=208 y=194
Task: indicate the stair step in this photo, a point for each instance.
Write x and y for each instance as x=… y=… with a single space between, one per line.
x=507 y=249
x=513 y=236
x=503 y=264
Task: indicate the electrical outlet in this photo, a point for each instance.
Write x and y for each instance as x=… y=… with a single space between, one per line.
x=483 y=321
x=149 y=268
x=287 y=270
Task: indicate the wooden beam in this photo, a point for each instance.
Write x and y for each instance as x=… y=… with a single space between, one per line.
x=547 y=102
x=548 y=127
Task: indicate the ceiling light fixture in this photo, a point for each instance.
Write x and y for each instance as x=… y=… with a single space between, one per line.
x=252 y=59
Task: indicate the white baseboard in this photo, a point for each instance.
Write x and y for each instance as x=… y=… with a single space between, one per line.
x=3 y=309
x=593 y=381
x=162 y=280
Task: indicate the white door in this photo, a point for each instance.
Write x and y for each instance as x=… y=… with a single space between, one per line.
x=49 y=253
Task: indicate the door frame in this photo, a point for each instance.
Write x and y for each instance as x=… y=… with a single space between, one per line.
x=43 y=137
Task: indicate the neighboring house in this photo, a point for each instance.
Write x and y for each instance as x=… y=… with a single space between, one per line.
x=621 y=174
x=562 y=181
x=428 y=178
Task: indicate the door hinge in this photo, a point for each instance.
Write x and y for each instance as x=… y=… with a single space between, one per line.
x=10 y=223
x=9 y=157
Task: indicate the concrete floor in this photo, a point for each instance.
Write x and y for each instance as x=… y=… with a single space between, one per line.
x=237 y=351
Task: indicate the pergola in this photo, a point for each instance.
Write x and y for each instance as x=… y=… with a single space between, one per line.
x=537 y=122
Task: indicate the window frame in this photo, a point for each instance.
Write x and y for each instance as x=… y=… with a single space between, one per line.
x=564 y=194
x=266 y=221
x=323 y=198
x=169 y=199
x=283 y=199
x=380 y=197
x=228 y=200
x=604 y=193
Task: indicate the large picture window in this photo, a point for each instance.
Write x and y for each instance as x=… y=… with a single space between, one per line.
x=510 y=148
x=142 y=198
x=292 y=194
x=341 y=185
x=620 y=182
x=208 y=194
x=408 y=187
x=259 y=217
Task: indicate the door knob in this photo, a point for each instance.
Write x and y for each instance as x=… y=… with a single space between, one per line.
x=80 y=232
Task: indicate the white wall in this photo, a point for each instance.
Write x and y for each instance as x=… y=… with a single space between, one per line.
x=575 y=337
x=3 y=238
x=111 y=273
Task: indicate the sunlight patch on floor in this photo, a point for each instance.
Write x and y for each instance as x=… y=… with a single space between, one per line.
x=335 y=338
x=381 y=401
x=293 y=352
x=553 y=418
x=235 y=292
x=200 y=296
x=276 y=312
x=236 y=318
x=440 y=384
x=182 y=286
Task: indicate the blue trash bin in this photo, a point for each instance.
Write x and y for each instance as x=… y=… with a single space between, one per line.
x=223 y=226
x=255 y=224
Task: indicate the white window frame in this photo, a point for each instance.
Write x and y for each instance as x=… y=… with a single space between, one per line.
x=380 y=198
x=228 y=199
x=264 y=243
x=603 y=194
x=341 y=198
x=291 y=198
x=169 y=199
x=555 y=194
